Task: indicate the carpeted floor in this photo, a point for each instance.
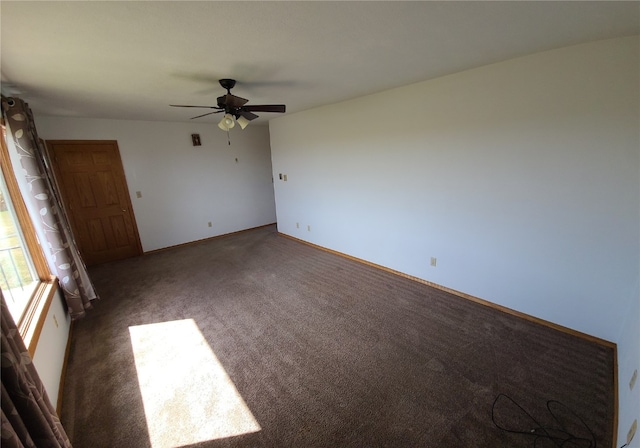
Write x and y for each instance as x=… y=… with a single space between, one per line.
x=322 y=351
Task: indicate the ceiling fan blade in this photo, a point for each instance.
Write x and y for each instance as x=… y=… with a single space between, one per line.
x=280 y=108
x=248 y=115
x=208 y=113
x=230 y=100
x=204 y=107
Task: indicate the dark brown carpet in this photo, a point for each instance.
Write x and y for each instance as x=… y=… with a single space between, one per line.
x=328 y=352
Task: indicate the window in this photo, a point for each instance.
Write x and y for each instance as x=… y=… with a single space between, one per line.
x=26 y=282
x=17 y=273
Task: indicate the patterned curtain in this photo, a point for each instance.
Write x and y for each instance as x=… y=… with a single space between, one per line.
x=60 y=248
x=28 y=417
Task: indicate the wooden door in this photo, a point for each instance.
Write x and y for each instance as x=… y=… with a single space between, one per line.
x=94 y=191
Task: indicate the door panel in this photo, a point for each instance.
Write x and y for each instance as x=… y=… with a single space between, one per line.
x=95 y=193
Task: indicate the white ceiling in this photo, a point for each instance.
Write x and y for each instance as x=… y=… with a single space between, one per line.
x=130 y=60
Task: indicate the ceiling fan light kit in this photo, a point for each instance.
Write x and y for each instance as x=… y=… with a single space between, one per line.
x=243 y=122
x=235 y=108
x=227 y=122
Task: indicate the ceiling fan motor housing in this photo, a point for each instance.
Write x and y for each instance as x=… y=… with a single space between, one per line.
x=227 y=83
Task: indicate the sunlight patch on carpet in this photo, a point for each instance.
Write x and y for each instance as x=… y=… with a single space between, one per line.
x=187 y=395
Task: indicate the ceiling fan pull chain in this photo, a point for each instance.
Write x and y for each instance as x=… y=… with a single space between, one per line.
x=228 y=138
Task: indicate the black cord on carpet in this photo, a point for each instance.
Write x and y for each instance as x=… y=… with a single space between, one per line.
x=557 y=435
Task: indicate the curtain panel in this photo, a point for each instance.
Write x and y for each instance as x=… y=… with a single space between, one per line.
x=28 y=417
x=60 y=248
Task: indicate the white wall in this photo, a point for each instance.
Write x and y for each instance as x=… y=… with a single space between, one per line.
x=184 y=187
x=522 y=178
x=51 y=347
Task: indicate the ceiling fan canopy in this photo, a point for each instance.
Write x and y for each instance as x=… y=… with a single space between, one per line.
x=235 y=106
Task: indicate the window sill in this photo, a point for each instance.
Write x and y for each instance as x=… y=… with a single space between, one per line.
x=31 y=324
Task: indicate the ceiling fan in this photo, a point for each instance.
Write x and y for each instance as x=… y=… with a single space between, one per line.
x=235 y=107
